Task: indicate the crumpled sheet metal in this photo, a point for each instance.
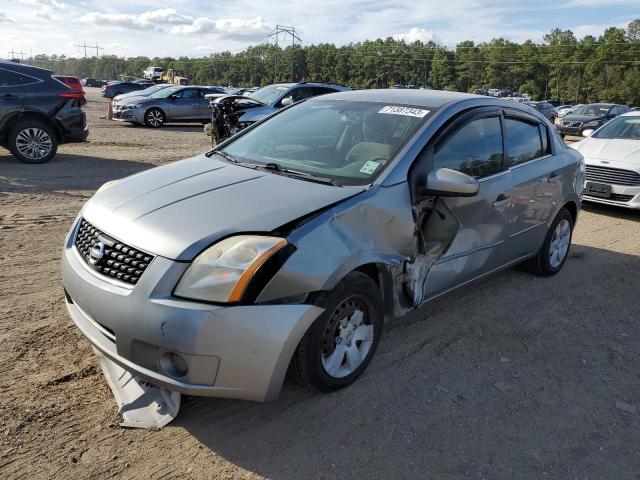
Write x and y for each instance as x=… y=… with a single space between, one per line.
x=141 y=404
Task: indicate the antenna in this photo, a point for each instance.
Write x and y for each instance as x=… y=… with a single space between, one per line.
x=275 y=36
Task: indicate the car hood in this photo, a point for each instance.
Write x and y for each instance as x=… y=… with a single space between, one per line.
x=572 y=117
x=612 y=150
x=136 y=100
x=179 y=209
x=129 y=96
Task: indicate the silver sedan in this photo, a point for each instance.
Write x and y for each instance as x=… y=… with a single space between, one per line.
x=171 y=104
x=285 y=248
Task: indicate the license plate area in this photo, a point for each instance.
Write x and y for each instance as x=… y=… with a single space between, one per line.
x=598 y=189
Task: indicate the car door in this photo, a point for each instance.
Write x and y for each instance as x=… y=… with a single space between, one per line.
x=184 y=105
x=475 y=147
x=537 y=183
x=11 y=94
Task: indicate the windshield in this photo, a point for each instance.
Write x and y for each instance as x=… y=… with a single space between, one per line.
x=621 y=127
x=269 y=94
x=347 y=142
x=592 y=110
x=165 y=92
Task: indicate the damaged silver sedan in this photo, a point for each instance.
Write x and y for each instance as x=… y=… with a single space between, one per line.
x=286 y=247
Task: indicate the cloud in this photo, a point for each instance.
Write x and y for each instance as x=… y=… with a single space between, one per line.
x=46 y=5
x=236 y=28
x=416 y=34
x=151 y=20
x=5 y=19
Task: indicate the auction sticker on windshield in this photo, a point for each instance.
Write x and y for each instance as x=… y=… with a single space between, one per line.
x=369 y=167
x=409 y=111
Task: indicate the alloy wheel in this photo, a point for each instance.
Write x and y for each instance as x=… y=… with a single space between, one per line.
x=34 y=143
x=560 y=243
x=347 y=339
x=154 y=117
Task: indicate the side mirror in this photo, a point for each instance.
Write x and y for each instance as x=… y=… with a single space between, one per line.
x=588 y=132
x=286 y=101
x=445 y=182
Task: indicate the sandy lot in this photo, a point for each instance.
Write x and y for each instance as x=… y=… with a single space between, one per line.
x=519 y=377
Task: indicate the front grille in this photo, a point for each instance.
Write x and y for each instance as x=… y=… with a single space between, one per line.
x=616 y=176
x=615 y=197
x=571 y=124
x=116 y=260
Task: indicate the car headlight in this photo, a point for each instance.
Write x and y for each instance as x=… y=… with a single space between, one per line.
x=594 y=123
x=222 y=272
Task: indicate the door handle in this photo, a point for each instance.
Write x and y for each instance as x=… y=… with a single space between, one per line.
x=555 y=176
x=501 y=200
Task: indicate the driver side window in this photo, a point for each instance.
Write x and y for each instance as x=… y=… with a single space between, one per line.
x=475 y=149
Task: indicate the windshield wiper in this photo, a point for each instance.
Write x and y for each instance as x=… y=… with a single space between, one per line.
x=297 y=173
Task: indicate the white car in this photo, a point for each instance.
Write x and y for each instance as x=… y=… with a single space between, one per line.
x=612 y=157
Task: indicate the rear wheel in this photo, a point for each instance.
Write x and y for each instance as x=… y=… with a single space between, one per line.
x=339 y=345
x=32 y=141
x=555 y=249
x=154 y=118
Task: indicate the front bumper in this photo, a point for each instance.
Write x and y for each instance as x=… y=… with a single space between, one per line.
x=627 y=197
x=130 y=115
x=234 y=352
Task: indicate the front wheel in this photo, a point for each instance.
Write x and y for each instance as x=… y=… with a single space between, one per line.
x=339 y=345
x=555 y=249
x=32 y=141
x=154 y=118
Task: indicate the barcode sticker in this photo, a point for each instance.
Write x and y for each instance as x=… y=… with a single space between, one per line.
x=408 y=111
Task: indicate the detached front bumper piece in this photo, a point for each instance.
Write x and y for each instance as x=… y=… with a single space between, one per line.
x=141 y=404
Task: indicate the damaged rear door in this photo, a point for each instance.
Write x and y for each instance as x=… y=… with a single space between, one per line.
x=462 y=237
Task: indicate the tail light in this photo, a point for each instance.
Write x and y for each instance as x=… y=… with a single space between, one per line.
x=74 y=84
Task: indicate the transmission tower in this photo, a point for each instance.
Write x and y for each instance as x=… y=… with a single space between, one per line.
x=275 y=36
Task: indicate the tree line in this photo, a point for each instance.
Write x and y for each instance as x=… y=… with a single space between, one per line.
x=564 y=68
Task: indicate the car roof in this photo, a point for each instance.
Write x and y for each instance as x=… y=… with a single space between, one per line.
x=22 y=66
x=425 y=98
x=631 y=113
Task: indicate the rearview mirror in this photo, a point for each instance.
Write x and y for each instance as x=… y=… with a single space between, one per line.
x=445 y=182
x=588 y=132
x=287 y=101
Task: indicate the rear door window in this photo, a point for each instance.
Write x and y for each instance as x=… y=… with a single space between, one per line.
x=523 y=141
x=9 y=78
x=475 y=149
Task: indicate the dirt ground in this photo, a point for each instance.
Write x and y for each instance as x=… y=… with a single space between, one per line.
x=517 y=378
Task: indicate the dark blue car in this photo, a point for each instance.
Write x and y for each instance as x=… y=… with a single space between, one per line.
x=112 y=89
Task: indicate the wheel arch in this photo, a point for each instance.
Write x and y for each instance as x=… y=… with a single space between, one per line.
x=31 y=115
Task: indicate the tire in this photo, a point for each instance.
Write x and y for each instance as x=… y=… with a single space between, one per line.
x=32 y=141
x=154 y=118
x=322 y=359
x=558 y=240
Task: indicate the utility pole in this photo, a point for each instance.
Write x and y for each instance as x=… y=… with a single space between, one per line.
x=98 y=49
x=84 y=45
x=13 y=54
x=275 y=36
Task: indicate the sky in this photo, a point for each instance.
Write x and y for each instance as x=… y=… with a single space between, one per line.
x=196 y=28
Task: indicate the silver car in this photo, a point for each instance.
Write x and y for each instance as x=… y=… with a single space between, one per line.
x=170 y=104
x=285 y=248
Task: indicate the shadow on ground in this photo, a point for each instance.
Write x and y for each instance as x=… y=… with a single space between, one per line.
x=488 y=383
x=612 y=211
x=65 y=172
